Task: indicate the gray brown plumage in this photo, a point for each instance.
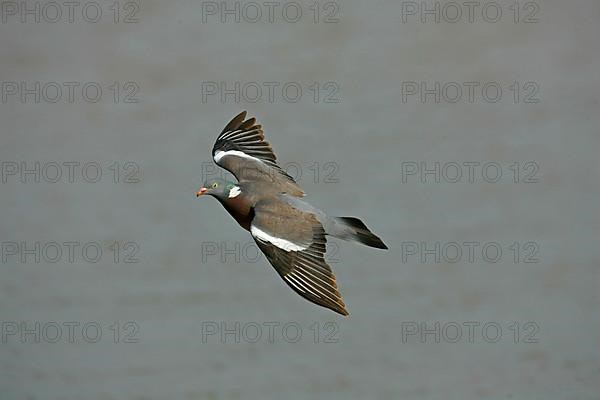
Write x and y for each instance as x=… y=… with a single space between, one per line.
x=266 y=201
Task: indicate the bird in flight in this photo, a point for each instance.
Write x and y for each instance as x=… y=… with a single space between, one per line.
x=268 y=203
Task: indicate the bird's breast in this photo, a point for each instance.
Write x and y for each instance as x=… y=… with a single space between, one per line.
x=240 y=209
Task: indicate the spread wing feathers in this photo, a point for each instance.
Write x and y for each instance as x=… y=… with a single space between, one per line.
x=241 y=149
x=300 y=262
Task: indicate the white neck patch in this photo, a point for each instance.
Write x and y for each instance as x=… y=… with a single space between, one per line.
x=234 y=192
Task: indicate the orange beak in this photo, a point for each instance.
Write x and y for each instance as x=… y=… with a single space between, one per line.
x=201 y=191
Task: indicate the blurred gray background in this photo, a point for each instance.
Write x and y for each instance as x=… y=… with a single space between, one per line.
x=170 y=61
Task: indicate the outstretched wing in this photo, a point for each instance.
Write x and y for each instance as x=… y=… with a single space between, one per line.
x=242 y=150
x=294 y=242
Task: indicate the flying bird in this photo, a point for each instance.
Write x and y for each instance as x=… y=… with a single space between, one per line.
x=267 y=202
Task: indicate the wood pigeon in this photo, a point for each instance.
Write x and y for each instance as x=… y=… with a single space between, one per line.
x=267 y=202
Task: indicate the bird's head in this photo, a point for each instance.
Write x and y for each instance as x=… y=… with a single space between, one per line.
x=219 y=188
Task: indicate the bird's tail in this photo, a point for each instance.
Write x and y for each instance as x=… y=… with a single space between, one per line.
x=351 y=228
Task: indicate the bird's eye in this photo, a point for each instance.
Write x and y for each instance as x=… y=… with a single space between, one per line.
x=214 y=185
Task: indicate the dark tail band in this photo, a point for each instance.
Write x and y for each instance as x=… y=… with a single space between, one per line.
x=362 y=234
